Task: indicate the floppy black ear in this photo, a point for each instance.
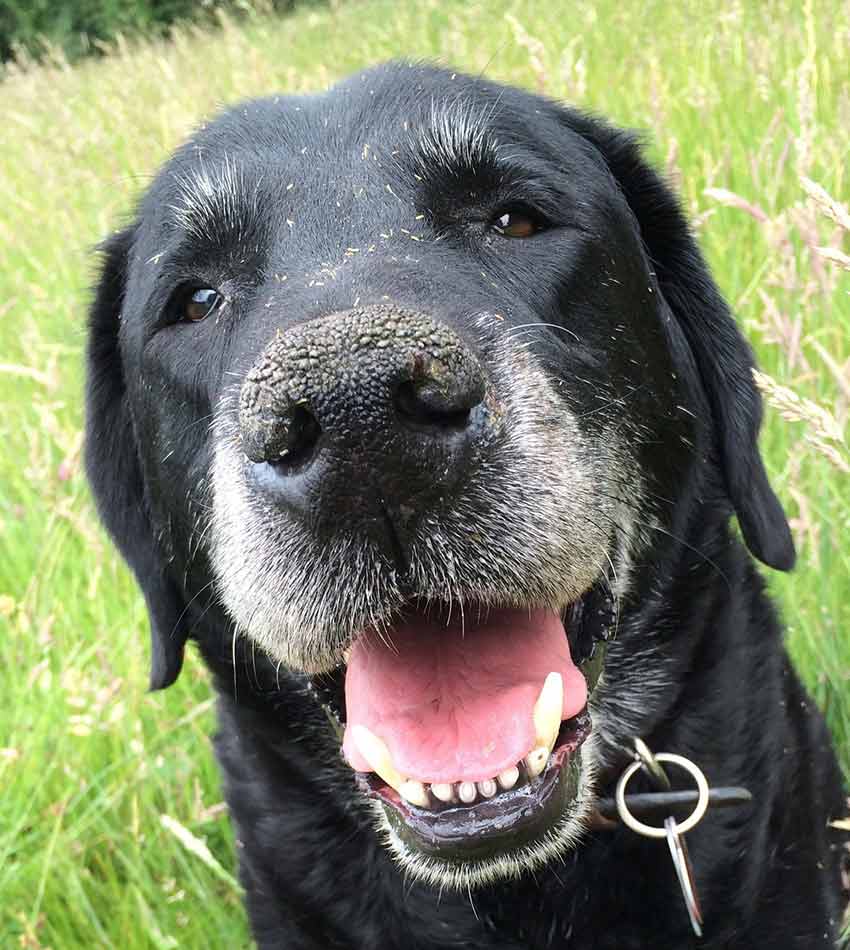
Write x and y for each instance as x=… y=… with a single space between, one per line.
x=723 y=357
x=114 y=471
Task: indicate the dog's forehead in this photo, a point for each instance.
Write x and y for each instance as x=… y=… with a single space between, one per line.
x=368 y=128
x=391 y=105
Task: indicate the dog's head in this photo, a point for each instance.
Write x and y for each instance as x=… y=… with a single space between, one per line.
x=424 y=378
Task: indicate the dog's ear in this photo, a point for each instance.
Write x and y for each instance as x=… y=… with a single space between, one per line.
x=114 y=470
x=722 y=355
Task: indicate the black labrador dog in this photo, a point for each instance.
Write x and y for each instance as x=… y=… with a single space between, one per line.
x=415 y=406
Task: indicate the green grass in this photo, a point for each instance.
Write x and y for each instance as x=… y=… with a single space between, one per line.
x=744 y=97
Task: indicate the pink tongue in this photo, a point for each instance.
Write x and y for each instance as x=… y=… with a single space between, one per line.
x=456 y=704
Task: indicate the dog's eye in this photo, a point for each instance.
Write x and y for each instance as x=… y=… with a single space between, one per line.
x=518 y=223
x=201 y=303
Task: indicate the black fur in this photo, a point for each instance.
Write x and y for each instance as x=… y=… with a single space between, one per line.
x=314 y=872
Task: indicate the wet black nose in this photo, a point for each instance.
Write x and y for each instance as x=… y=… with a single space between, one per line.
x=362 y=415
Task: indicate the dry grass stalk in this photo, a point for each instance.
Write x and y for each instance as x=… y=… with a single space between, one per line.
x=840 y=372
x=536 y=50
x=574 y=70
x=805 y=526
x=807 y=83
x=783 y=330
x=196 y=846
x=835 y=256
x=825 y=433
x=731 y=200
x=831 y=207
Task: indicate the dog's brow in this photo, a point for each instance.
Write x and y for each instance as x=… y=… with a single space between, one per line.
x=458 y=135
x=212 y=199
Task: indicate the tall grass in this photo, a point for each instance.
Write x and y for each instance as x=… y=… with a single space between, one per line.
x=111 y=828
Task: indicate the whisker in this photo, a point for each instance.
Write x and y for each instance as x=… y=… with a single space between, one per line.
x=534 y=326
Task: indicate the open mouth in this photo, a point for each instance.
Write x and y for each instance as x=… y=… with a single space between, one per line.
x=467 y=728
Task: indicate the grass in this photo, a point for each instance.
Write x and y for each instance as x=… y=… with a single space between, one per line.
x=743 y=100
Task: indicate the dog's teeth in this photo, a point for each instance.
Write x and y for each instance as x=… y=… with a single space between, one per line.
x=548 y=710
x=536 y=760
x=415 y=793
x=467 y=792
x=376 y=753
x=443 y=791
x=487 y=788
x=508 y=778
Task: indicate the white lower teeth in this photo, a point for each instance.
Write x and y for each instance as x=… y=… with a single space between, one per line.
x=487 y=788
x=443 y=791
x=414 y=792
x=467 y=792
x=508 y=778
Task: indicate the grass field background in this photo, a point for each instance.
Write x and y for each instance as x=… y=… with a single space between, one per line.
x=743 y=102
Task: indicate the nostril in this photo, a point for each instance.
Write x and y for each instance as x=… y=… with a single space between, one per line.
x=426 y=405
x=294 y=438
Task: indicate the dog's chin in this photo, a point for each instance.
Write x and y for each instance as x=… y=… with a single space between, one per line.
x=468 y=828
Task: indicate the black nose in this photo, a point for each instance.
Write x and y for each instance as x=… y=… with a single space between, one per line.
x=364 y=414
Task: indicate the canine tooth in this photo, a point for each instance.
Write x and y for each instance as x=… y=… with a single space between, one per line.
x=487 y=788
x=444 y=791
x=536 y=760
x=467 y=792
x=415 y=793
x=548 y=709
x=508 y=778
x=376 y=753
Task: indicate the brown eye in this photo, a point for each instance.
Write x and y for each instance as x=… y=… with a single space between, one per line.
x=516 y=224
x=201 y=304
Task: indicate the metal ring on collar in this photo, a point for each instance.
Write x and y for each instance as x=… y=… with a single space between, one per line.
x=651 y=831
